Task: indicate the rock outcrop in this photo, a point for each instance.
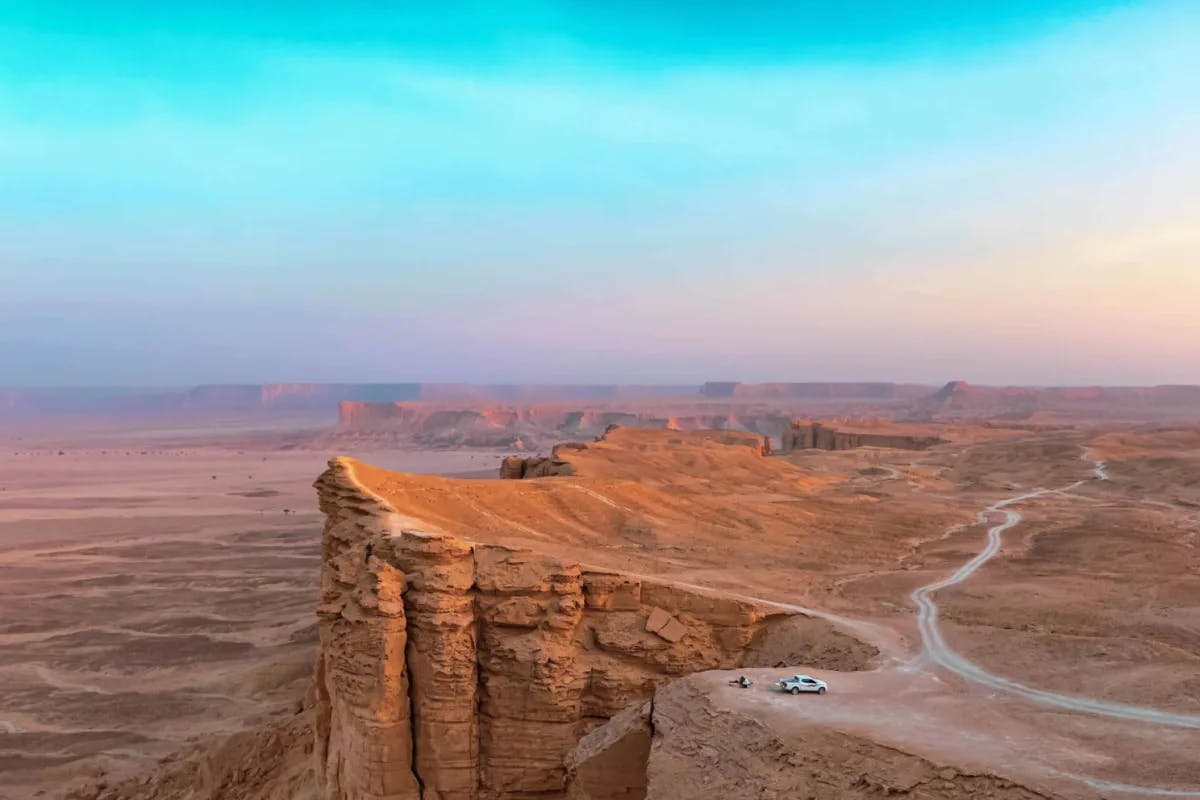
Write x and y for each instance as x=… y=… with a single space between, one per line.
x=518 y=468
x=610 y=763
x=558 y=462
x=684 y=745
x=700 y=751
x=532 y=425
x=806 y=435
x=465 y=671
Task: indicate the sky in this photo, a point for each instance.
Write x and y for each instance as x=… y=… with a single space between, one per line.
x=664 y=192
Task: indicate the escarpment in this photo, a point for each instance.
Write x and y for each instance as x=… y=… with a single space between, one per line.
x=532 y=425
x=457 y=670
x=805 y=435
x=559 y=461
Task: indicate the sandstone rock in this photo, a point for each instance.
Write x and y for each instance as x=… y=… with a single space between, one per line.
x=703 y=751
x=656 y=620
x=512 y=468
x=484 y=423
x=440 y=657
x=451 y=670
x=805 y=435
x=610 y=762
x=612 y=592
x=663 y=624
x=673 y=631
x=534 y=467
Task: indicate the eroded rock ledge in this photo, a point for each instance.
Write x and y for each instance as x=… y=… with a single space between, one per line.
x=686 y=746
x=559 y=463
x=454 y=670
x=807 y=435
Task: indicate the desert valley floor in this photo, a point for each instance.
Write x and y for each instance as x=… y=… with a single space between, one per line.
x=154 y=589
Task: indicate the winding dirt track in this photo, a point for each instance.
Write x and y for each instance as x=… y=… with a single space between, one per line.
x=940 y=653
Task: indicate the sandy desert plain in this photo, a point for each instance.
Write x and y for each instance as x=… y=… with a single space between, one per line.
x=157 y=584
x=1014 y=612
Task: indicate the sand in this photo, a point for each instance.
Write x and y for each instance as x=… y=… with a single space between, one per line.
x=156 y=587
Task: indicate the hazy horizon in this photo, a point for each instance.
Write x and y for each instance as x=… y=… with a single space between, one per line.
x=136 y=389
x=526 y=192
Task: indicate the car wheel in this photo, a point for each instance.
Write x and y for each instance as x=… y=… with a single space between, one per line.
x=821 y=690
x=795 y=690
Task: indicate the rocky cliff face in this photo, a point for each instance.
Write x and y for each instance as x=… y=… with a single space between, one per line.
x=804 y=435
x=452 y=670
x=558 y=462
x=490 y=425
x=518 y=468
x=960 y=400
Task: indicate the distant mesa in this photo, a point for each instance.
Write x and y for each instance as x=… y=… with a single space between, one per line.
x=812 y=390
x=959 y=400
x=586 y=409
x=808 y=435
x=529 y=426
x=294 y=397
x=763 y=409
x=191 y=401
x=953 y=389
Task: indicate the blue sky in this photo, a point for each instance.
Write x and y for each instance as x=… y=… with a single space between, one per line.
x=195 y=192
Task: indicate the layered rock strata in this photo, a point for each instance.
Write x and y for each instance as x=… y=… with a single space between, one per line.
x=453 y=670
x=805 y=435
x=532 y=425
x=559 y=463
x=518 y=467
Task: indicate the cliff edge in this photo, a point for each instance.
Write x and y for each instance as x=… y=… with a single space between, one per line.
x=454 y=669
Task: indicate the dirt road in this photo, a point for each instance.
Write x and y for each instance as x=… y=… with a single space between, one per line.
x=936 y=649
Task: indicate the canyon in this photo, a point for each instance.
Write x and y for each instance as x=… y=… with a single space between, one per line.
x=572 y=634
x=528 y=427
x=846 y=415
x=589 y=408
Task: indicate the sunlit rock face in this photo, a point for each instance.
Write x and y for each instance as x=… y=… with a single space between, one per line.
x=464 y=671
x=530 y=426
x=806 y=435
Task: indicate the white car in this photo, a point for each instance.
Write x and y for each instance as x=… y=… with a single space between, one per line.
x=802 y=683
